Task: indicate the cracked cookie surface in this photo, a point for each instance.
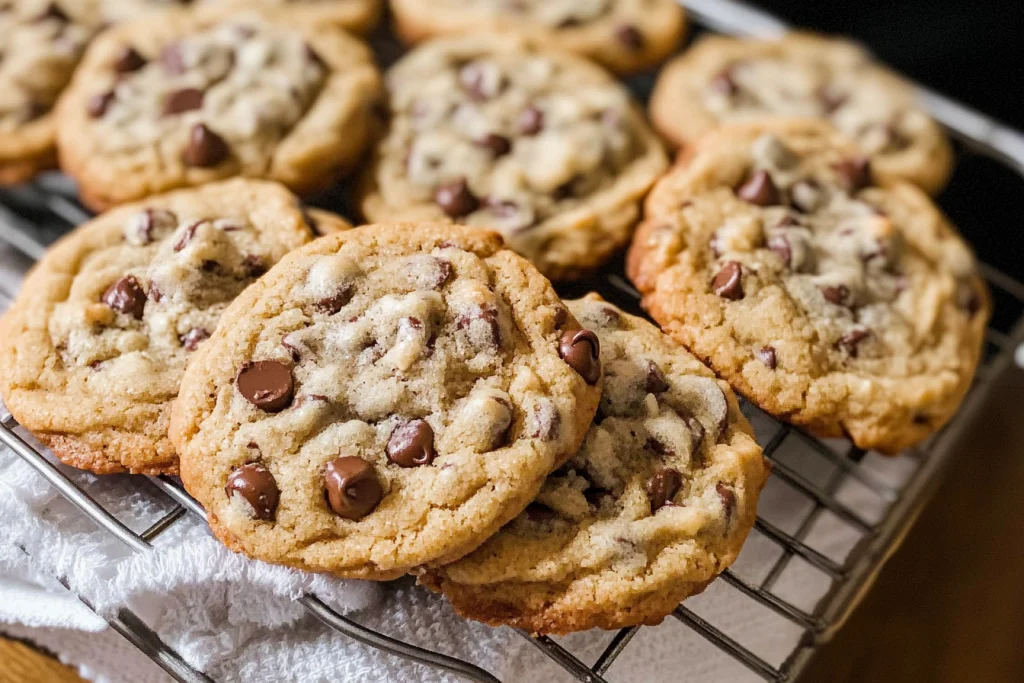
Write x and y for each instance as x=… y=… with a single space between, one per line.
x=493 y=131
x=383 y=399
x=622 y=35
x=181 y=98
x=656 y=503
x=94 y=346
x=842 y=306
x=731 y=80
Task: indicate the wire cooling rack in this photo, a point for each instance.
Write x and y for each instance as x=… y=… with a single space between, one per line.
x=33 y=216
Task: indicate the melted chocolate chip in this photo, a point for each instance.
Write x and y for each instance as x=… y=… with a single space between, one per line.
x=728 y=281
x=498 y=145
x=154 y=292
x=444 y=272
x=851 y=340
x=256 y=486
x=854 y=174
x=456 y=199
x=488 y=315
x=254 y=265
x=759 y=189
x=630 y=36
x=187 y=235
x=267 y=384
x=474 y=80
x=837 y=294
x=335 y=302
x=561 y=316
x=766 y=354
x=531 y=121
x=193 y=338
x=128 y=60
x=97 y=105
x=545 y=421
x=353 y=489
x=780 y=245
x=411 y=444
x=581 y=350
x=205 y=148
x=126 y=296
x=655 y=383
x=179 y=101
x=728 y=497
x=663 y=486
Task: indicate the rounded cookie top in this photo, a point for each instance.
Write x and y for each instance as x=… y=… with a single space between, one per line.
x=496 y=132
x=832 y=302
x=732 y=80
x=623 y=35
x=354 y=15
x=383 y=399
x=43 y=42
x=94 y=346
x=180 y=98
x=655 y=504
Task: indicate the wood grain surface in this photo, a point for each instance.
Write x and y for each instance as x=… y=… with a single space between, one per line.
x=949 y=606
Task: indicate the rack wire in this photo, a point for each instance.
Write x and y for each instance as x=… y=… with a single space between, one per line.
x=31 y=216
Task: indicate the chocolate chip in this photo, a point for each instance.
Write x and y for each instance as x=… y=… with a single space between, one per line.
x=837 y=294
x=456 y=199
x=54 y=12
x=759 y=189
x=780 y=245
x=581 y=350
x=854 y=174
x=267 y=384
x=187 y=235
x=444 y=272
x=254 y=265
x=488 y=315
x=655 y=382
x=561 y=316
x=545 y=421
x=539 y=512
x=968 y=299
x=724 y=83
x=205 y=148
x=630 y=36
x=193 y=337
x=728 y=497
x=663 y=486
x=335 y=302
x=179 y=101
x=852 y=339
x=126 y=296
x=766 y=354
x=257 y=487
x=97 y=105
x=498 y=145
x=172 y=60
x=128 y=60
x=728 y=281
x=411 y=444
x=154 y=292
x=353 y=489
x=531 y=121
x=478 y=83
x=314 y=57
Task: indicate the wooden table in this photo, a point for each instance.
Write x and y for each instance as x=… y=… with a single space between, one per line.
x=949 y=606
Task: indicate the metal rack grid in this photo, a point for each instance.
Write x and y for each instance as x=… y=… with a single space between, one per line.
x=849 y=578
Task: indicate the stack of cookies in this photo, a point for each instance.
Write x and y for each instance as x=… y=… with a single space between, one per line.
x=412 y=395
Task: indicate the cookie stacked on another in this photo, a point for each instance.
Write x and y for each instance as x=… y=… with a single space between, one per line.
x=722 y=80
x=93 y=349
x=622 y=35
x=837 y=304
x=382 y=399
x=183 y=97
x=499 y=132
x=656 y=503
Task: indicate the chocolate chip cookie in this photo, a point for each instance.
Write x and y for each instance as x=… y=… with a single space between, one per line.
x=43 y=41
x=623 y=35
x=382 y=399
x=656 y=503
x=494 y=131
x=92 y=350
x=733 y=80
x=354 y=15
x=181 y=98
x=842 y=306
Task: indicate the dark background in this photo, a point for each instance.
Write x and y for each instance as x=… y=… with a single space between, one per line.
x=971 y=50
